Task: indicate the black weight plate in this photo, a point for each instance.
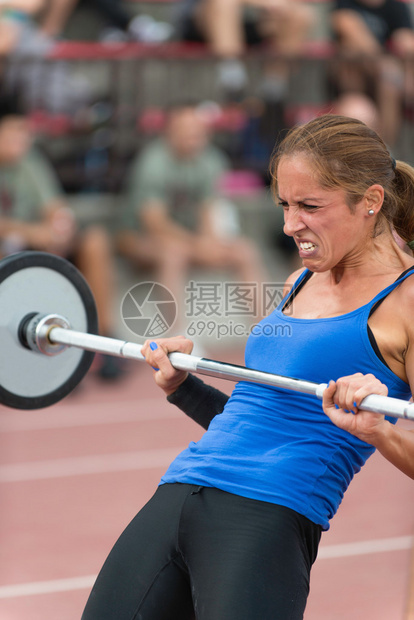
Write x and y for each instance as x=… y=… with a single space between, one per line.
x=38 y=282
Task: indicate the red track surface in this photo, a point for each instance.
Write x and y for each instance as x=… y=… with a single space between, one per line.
x=72 y=477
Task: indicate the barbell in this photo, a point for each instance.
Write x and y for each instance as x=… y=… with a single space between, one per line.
x=48 y=333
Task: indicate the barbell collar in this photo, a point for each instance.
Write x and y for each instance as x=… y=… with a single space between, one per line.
x=34 y=332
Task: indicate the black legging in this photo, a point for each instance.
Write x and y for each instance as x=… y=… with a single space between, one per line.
x=197 y=552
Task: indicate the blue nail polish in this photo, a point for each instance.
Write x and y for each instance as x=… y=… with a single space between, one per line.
x=153 y=347
x=336 y=407
x=355 y=405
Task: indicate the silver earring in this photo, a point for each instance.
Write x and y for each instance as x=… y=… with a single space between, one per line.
x=371 y=212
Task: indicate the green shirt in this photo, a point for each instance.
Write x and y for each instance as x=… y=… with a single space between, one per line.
x=27 y=187
x=182 y=186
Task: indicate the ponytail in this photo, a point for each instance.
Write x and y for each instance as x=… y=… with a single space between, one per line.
x=402 y=193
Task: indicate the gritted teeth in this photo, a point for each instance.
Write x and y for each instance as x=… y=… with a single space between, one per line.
x=306 y=245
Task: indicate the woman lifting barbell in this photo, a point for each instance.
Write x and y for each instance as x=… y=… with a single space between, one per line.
x=233 y=529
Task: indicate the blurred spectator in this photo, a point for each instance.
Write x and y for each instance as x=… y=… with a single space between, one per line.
x=229 y=26
x=174 y=219
x=55 y=17
x=121 y=24
x=14 y=15
x=35 y=216
x=357 y=105
x=50 y=86
x=366 y=30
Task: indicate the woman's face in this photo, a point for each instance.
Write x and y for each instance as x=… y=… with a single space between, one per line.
x=320 y=221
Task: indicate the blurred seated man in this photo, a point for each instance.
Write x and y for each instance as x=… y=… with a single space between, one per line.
x=171 y=221
x=372 y=29
x=34 y=216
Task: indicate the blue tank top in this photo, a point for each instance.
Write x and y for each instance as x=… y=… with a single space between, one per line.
x=278 y=446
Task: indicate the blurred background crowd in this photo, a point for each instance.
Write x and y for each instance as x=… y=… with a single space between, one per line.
x=135 y=135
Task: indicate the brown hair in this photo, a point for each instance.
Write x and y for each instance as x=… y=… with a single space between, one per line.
x=346 y=154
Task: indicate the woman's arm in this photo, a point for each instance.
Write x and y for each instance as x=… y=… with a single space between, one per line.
x=199 y=401
x=341 y=400
x=397 y=446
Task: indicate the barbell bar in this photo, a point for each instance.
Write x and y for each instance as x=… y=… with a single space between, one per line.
x=50 y=333
x=39 y=336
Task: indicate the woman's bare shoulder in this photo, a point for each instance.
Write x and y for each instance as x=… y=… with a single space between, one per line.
x=406 y=290
x=292 y=279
